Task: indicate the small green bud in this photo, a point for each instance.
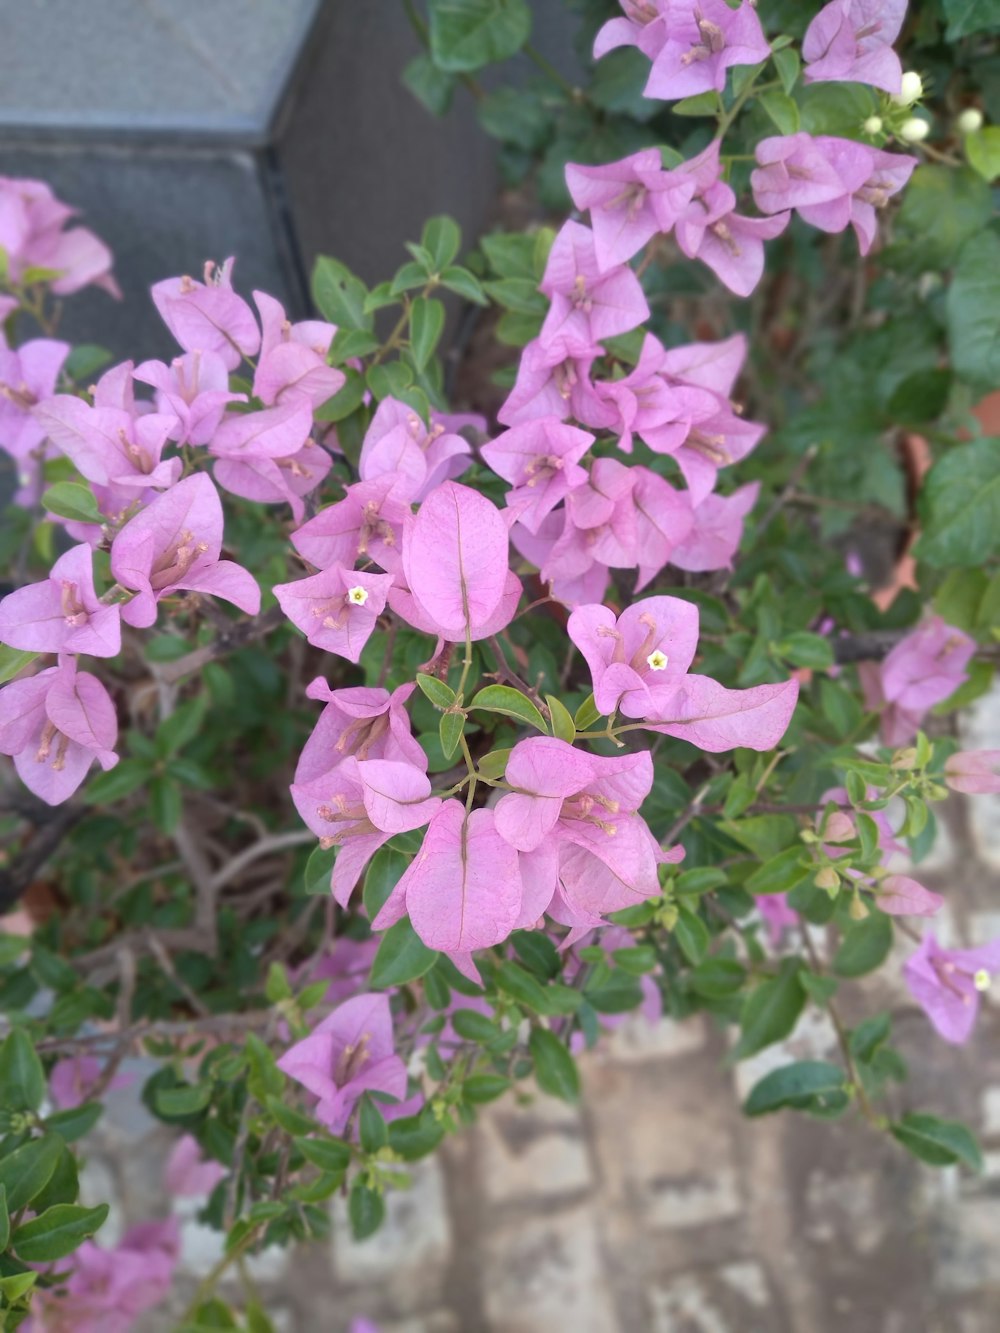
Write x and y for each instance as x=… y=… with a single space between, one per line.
x=827 y=878
x=857 y=910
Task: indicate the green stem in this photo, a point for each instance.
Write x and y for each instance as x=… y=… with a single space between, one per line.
x=207 y=1285
x=550 y=71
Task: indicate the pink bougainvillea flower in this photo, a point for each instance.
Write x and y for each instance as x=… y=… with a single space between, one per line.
x=714 y=365
x=455 y=553
x=948 y=983
x=713 y=718
x=336 y=609
x=293 y=357
x=703 y=435
x=208 y=316
x=899 y=895
x=349 y=1053
x=54 y=725
x=28 y=376
x=194 y=388
x=63 y=613
x=573 y=574
x=357 y=805
x=638 y=659
x=462 y=891
x=778 y=916
x=174 y=544
x=711 y=230
x=363 y=721
x=109 y=445
x=664 y=520
x=398 y=441
x=644 y=26
x=974 y=772
x=704 y=40
x=73 y=1079
x=269 y=456
x=600 y=521
x=573 y=816
x=551 y=383
x=32 y=232
x=850 y=41
x=107 y=1290
x=716 y=531
x=367 y=524
x=922 y=670
x=799 y=171
x=588 y=303
x=889 y=173
x=540 y=459
x=187 y=1173
x=619 y=197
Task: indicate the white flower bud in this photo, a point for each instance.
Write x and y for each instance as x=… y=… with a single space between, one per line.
x=970 y=120
x=911 y=89
x=873 y=125
x=914 y=130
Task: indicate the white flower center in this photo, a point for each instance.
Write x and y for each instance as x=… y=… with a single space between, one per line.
x=982 y=980
x=657 y=660
x=358 y=596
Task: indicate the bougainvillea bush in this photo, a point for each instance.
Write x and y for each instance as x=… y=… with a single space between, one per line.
x=371 y=756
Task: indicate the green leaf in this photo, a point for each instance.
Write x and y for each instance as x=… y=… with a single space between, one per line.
x=402 y=957
x=465 y=284
x=938 y=1142
x=426 y=327
x=515 y=116
x=4 y=1220
x=805 y=649
x=165 y=803
x=701 y=879
x=319 y=868
x=702 y=104
x=472 y=1026
x=451 y=729
x=510 y=703
x=367 y=1210
x=716 y=978
x=780 y=108
x=522 y=987
x=771 y=1010
x=692 y=935
x=787 y=63
x=780 y=874
x=73 y=500
x=431 y=86
x=173 y=1103
x=372 y=1128
x=346 y=401
x=57 y=1232
x=438 y=691
x=25 y=1172
x=22 y=1078
x=339 y=295
x=384 y=871
x=563 y=725
x=973 y=308
x=17 y=1285
x=960 y=505
x=865 y=946
x=983 y=151
x=75 y=1121
x=441 y=238
x=415 y=1136
x=586 y=715
x=127 y=776
x=85 y=360
x=13 y=661
x=494 y=764
x=802 y=1086
x=182 y=726
x=942 y=209
x=333 y=1155
x=479 y=1088
x=555 y=1068
x=467 y=34
x=968 y=16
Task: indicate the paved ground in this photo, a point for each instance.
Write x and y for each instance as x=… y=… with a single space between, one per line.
x=657 y=1207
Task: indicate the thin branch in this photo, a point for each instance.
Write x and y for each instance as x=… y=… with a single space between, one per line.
x=275 y=842
x=238 y=636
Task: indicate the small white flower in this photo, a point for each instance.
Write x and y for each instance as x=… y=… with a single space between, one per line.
x=657 y=660
x=970 y=121
x=914 y=130
x=911 y=89
x=358 y=596
x=982 y=980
